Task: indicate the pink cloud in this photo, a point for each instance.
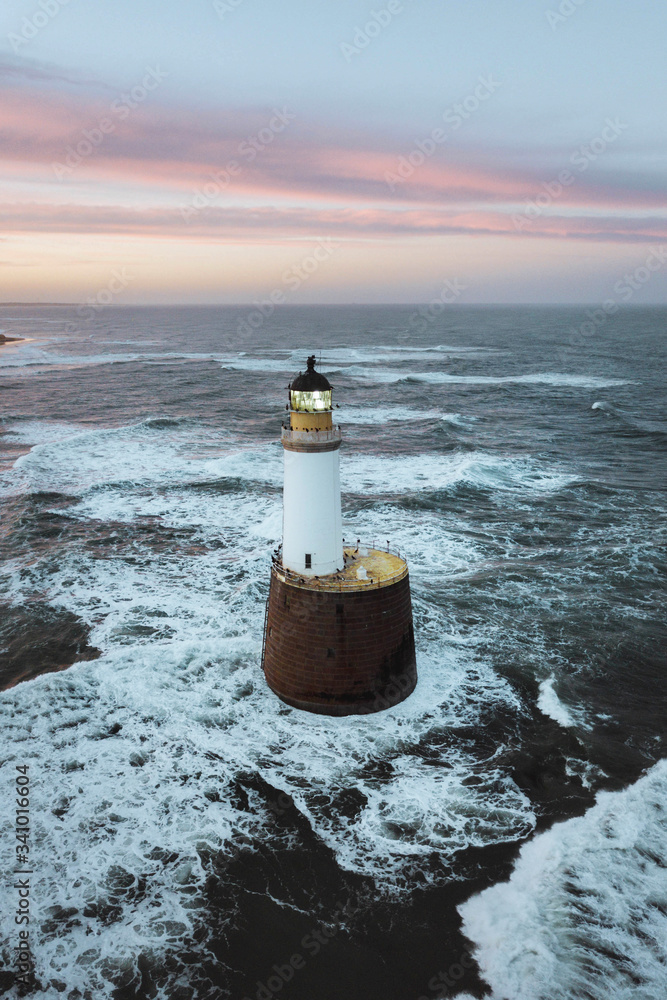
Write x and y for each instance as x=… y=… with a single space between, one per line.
x=178 y=150
x=278 y=224
x=179 y=147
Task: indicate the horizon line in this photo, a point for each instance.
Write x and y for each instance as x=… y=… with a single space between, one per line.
x=337 y=305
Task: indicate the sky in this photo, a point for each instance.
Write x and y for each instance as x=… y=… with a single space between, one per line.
x=306 y=151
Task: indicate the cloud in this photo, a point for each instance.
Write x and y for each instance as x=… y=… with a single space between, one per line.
x=180 y=146
x=215 y=223
x=21 y=71
x=170 y=152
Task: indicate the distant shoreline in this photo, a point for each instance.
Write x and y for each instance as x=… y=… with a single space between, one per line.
x=9 y=340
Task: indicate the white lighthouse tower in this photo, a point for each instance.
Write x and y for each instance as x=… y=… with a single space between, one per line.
x=312 y=523
x=338 y=633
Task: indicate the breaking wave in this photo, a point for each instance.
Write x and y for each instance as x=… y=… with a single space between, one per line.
x=585 y=911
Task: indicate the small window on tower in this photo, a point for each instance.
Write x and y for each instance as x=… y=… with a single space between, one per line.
x=309 y=560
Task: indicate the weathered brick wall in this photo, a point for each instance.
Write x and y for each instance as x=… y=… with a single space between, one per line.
x=340 y=653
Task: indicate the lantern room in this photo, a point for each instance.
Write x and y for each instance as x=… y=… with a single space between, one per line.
x=310 y=400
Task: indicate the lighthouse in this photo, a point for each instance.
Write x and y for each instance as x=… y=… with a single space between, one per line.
x=338 y=631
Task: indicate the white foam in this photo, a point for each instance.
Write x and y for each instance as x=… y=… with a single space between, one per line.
x=464 y=421
x=123 y=800
x=587 y=773
x=34 y=432
x=442 y=378
x=245 y=364
x=75 y=460
x=435 y=551
x=550 y=704
x=22 y=354
x=389 y=414
x=584 y=913
x=348 y=359
x=367 y=364
x=137 y=343
x=407 y=474
x=386 y=414
x=387 y=352
x=142 y=453
x=28 y=356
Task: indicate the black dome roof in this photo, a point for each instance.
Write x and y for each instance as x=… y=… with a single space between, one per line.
x=310 y=381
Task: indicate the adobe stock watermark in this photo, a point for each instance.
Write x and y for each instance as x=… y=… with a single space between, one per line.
x=96 y=303
x=247 y=150
x=224 y=7
x=312 y=943
x=31 y=26
x=22 y=876
x=375 y=25
x=422 y=318
x=454 y=116
x=119 y=110
x=292 y=279
x=581 y=158
x=398 y=687
x=564 y=11
x=625 y=289
x=280 y=804
x=441 y=984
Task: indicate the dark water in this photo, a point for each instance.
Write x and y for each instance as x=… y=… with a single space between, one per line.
x=191 y=836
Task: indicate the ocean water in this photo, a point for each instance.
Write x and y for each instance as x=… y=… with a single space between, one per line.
x=503 y=832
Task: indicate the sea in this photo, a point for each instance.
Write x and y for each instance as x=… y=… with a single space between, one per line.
x=503 y=832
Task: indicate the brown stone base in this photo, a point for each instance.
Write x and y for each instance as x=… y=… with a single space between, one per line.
x=347 y=652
